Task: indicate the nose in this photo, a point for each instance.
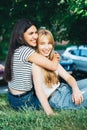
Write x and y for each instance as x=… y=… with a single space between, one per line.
x=46 y=46
x=35 y=35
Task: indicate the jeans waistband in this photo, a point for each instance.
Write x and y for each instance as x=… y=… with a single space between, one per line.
x=20 y=95
x=52 y=94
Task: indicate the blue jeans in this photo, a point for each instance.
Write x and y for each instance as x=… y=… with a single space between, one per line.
x=26 y=101
x=62 y=98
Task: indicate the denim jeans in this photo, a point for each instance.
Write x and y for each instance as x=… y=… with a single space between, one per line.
x=62 y=98
x=29 y=100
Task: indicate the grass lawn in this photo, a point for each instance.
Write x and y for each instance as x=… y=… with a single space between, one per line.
x=37 y=120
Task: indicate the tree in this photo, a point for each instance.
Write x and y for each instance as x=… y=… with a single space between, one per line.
x=72 y=23
x=67 y=19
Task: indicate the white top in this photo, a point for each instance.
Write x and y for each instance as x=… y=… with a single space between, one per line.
x=48 y=91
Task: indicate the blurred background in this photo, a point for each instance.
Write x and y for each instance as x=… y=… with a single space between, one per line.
x=66 y=19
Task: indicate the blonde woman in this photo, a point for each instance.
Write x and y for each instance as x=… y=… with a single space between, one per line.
x=50 y=92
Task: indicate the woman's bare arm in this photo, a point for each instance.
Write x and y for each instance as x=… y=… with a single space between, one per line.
x=45 y=62
x=77 y=96
x=37 y=79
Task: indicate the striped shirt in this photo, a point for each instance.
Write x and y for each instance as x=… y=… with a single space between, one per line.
x=22 y=69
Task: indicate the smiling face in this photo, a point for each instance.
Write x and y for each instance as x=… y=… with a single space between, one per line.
x=45 y=43
x=44 y=46
x=31 y=36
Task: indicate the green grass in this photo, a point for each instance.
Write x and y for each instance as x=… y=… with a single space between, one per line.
x=37 y=120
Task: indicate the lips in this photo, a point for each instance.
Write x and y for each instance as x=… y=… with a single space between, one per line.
x=34 y=42
x=46 y=53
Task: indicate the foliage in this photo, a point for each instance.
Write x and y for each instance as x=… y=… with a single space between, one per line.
x=72 y=22
x=37 y=120
x=61 y=47
x=67 y=19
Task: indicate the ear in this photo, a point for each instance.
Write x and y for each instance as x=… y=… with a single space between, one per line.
x=20 y=38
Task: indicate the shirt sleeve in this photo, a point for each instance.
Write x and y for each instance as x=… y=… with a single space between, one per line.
x=26 y=52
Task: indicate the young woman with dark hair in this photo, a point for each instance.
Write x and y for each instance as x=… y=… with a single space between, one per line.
x=18 y=67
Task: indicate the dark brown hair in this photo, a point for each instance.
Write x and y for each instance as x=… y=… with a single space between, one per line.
x=16 y=41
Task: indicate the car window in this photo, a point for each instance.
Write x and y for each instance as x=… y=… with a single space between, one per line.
x=83 y=52
x=74 y=52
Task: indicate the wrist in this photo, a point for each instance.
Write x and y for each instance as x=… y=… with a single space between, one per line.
x=50 y=113
x=75 y=89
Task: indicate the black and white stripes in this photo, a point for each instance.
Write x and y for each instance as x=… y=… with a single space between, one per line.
x=22 y=69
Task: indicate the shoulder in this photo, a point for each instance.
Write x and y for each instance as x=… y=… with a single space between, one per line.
x=25 y=48
x=24 y=52
x=34 y=66
x=36 y=69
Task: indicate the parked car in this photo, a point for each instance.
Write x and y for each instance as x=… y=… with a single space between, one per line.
x=67 y=64
x=78 y=55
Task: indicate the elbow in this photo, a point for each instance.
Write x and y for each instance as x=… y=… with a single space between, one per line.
x=70 y=78
x=54 y=67
x=37 y=92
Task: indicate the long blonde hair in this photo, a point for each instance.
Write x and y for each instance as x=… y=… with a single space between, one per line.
x=50 y=77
